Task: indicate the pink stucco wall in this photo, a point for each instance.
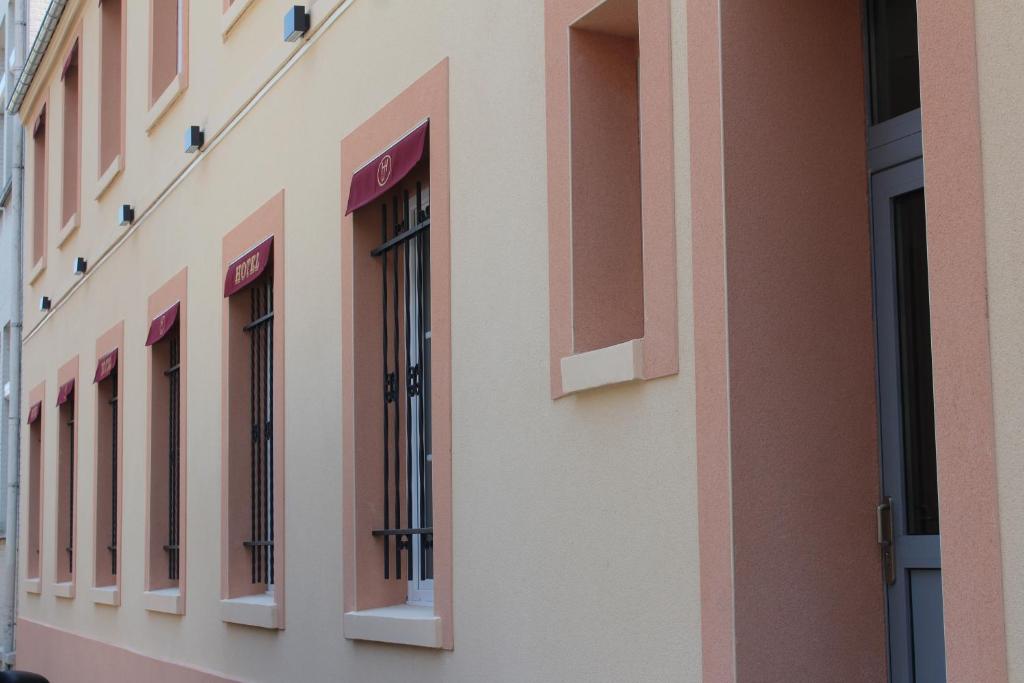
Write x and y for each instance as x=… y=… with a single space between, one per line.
x=808 y=594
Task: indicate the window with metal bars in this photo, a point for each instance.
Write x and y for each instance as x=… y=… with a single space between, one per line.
x=66 y=493
x=173 y=546
x=404 y=255
x=35 y=493
x=260 y=331
x=107 y=493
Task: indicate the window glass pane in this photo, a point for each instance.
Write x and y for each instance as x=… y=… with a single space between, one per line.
x=895 y=82
x=918 y=409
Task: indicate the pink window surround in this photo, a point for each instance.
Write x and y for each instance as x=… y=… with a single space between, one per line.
x=71 y=184
x=113 y=84
x=33 y=543
x=168 y=310
x=266 y=221
x=167 y=69
x=658 y=354
x=108 y=484
x=362 y=473
x=162 y=324
x=381 y=174
x=67 y=528
x=39 y=194
x=965 y=441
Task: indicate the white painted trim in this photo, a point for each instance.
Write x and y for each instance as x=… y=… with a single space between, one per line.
x=603 y=367
x=69 y=229
x=108 y=176
x=250 y=610
x=399 y=624
x=105 y=595
x=231 y=16
x=163 y=103
x=64 y=589
x=37 y=269
x=166 y=600
x=34 y=586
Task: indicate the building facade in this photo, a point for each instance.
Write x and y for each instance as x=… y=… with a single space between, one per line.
x=542 y=341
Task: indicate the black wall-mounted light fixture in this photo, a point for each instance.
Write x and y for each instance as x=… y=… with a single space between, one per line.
x=126 y=215
x=80 y=266
x=194 y=139
x=296 y=23
x=44 y=303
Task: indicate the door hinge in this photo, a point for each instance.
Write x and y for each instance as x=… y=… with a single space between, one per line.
x=886 y=539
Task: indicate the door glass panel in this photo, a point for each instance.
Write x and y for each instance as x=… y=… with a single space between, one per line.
x=895 y=81
x=917 y=403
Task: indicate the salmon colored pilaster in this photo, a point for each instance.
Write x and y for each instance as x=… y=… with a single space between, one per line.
x=362 y=556
x=657 y=186
x=972 y=580
x=714 y=502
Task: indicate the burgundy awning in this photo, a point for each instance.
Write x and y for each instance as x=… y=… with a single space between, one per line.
x=35 y=411
x=244 y=270
x=388 y=169
x=40 y=121
x=70 y=61
x=66 y=391
x=105 y=366
x=162 y=324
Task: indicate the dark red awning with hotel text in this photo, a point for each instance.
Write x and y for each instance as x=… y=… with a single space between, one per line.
x=35 y=411
x=105 y=366
x=66 y=391
x=387 y=169
x=162 y=324
x=70 y=61
x=247 y=268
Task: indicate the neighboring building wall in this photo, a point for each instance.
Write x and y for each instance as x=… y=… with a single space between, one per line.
x=575 y=521
x=1000 y=63
x=10 y=283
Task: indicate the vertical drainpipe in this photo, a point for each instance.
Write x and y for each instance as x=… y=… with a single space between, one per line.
x=9 y=598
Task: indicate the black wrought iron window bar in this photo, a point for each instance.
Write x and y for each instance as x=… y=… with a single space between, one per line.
x=113 y=473
x=260 y=329
x=173 y=375
x=404 y=254
x=70 y=549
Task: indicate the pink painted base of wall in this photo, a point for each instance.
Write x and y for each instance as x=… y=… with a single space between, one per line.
x=84 y=660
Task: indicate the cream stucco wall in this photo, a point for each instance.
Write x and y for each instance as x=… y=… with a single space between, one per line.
x=1000 y=64
x=575 y=521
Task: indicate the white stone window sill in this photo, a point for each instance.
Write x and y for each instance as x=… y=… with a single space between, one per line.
x=167 y=600
x=232 y=15
x=106 y=595
x=251 y=610
x=603 y=367
x=34 y=586
x=64 y=589
x=36 y=271
x=108 y=176
x=163 y=103
x=68 y=230
x=398 y=624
